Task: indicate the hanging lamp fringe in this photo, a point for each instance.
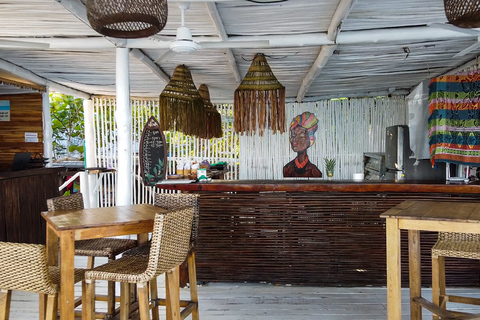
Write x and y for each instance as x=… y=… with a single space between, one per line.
x=212 y=116
x=259 y=101
x=181 y=106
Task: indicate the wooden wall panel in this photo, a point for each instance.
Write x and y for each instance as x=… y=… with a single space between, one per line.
x=25 y=116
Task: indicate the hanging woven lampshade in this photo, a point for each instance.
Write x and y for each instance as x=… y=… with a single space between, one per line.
x=127 y=18
x=213 y=117
x=259 y=101
x=463 y=13
x=181 y=106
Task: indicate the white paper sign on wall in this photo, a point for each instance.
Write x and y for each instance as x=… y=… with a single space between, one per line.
x=4 y=110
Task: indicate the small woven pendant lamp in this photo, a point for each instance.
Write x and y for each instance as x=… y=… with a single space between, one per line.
x=259 y=101
x=181 y=106
x=127 y=18
x=213 y=117
x=463 y=13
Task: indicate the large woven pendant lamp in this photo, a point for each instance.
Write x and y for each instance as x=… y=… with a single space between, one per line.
x=127 y=18
x=213 y=118
x=181 y=106
x=463 y=13
x=259 y=101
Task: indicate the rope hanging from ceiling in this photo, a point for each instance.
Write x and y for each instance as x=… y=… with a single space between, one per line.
x=463 y=13
x=259 y=101
x=181 y=106
x=127 y=18
x=212 y=116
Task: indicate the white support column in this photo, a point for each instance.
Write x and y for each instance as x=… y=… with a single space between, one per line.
x=124 y=129
x=47 y=129
x=90 y=151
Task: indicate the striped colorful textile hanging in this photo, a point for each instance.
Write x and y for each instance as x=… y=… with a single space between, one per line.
x=454 y=122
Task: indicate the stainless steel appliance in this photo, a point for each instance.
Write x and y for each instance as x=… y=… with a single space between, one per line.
x=398 y=164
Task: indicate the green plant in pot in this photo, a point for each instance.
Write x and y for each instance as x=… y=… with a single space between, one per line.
x=330 y=166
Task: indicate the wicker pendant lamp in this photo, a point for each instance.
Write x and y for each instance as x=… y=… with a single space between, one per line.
x=259 y=101
x=463 y=13
x=212 y=116
x=181 y=106
x=127 y=18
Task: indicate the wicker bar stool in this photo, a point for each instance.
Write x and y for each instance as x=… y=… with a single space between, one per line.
x=104 y=247
x=174 y=201
x=23 y=267
x=454 y=245
x=169 y=247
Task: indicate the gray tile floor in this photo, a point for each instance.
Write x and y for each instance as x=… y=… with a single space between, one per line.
x=230 y=301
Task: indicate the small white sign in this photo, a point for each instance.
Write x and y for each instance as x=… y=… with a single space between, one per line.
x=4 y=110
x=31 y=137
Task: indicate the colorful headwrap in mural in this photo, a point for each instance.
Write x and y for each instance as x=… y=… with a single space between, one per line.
x=308 y=121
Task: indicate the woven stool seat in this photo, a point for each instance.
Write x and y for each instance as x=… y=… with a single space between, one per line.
x=24 y=267
x=105 y=247
x=453 y=245
x=169 y=247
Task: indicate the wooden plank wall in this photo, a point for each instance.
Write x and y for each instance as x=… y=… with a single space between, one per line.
x=327 y=239
x=25 y=116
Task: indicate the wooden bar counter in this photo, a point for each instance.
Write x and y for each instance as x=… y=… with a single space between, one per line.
x=316 y=232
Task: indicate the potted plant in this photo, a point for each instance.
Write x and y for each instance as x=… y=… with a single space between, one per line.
x=330 y=166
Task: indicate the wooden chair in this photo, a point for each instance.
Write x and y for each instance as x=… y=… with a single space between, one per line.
x=169 y=247
x=23 y=266
x=454 y=245
x=104 y=247
x=442 y=313
x=170 y=201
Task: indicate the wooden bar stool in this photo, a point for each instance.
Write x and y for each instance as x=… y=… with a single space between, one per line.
x=454 y=245
x=169 y=247
x=105 y=247
x=23 y=266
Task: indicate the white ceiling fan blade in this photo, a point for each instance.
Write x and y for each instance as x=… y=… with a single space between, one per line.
x=234 y=44
x=23 y=44
x=451 y=27
x=468 y=49
x=165 y=57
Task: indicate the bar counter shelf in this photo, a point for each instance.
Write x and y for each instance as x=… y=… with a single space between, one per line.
x=314 y=232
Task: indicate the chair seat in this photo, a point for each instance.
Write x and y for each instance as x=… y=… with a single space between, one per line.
x=456 y=249
x=124 y=269
x=142 y=250
x=104 y=247
x=55 y=274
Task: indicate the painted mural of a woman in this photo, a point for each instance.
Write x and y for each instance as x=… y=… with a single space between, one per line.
x=302 y=136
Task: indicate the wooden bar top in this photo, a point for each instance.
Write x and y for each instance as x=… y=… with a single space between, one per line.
x=321 y=186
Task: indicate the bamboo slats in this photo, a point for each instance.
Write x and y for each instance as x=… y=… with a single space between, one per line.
x=327 y=239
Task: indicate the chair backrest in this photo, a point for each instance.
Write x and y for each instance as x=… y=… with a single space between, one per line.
x=170 y=240
x=70 y=202
x=172 y=201
x=23 y=267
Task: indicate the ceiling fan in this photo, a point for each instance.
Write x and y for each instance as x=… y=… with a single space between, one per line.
x=184 y=42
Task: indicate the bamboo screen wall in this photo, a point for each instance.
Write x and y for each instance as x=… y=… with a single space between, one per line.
x=25 y=116
x=346 y=129
x=181 y=148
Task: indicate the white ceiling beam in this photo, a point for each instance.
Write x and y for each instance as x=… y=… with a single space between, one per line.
x=137 y=53
x=220 y=27
x=77 y=8
x=268 y=41
x=30 y=76
x=343 y=9
x=325 y=53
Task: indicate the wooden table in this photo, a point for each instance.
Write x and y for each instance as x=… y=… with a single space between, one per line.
x=70 y=225
x=416 y=216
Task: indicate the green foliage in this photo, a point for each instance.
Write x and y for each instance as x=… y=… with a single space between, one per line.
x=68 y=127
x=330 y=164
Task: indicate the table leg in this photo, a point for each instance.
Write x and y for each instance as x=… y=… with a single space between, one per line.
x=172 y=285
x=414 y=265
x=67 y=282
x=52 y=260
x=394 y=288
